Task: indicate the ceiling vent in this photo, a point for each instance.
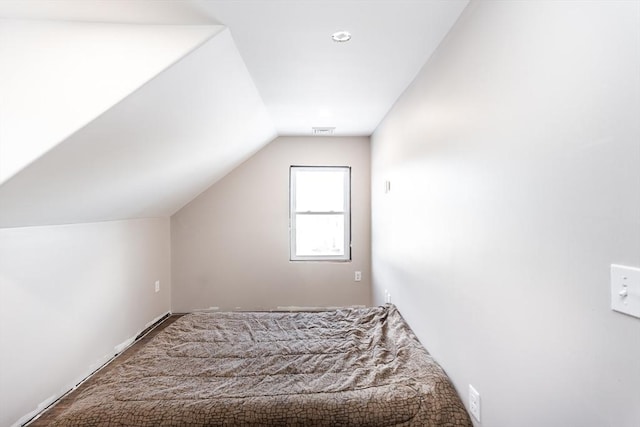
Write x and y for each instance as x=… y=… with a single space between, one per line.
x=320 y=131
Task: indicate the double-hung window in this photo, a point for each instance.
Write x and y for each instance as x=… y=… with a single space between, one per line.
x=320 y=213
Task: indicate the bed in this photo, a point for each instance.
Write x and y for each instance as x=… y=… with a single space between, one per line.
x=352 y=366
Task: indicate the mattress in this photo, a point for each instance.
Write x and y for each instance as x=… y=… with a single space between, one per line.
x=349 y=367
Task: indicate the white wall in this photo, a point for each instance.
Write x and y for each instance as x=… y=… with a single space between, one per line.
x=514 y=161
x=68 y=295
x=230 y=246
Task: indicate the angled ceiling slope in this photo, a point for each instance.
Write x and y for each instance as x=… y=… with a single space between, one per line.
x=55 y=77
x=151 y=153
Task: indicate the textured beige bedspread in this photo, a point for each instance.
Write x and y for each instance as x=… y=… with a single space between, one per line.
x=353 y=366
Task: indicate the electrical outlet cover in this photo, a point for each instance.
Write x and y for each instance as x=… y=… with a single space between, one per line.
x=474 y=403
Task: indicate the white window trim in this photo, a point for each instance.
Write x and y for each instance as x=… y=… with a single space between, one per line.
x=347 y=215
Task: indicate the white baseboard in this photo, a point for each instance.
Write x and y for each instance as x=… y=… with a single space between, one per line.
x=93 y=369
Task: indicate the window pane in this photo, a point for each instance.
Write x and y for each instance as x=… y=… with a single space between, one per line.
x=319 y=191
x=319 y=235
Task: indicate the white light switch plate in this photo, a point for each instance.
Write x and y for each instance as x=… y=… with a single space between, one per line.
x=625 y=289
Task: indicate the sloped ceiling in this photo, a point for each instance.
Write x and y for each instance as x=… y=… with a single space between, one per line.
x=55 y=77
x=137 y=123
x=151 y=153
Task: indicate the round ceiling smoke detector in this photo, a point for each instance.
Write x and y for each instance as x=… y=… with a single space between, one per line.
x=341 y=36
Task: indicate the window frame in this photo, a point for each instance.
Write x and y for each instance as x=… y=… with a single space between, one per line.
x=346 y=257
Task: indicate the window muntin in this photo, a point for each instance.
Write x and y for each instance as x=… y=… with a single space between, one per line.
x=320 y=213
